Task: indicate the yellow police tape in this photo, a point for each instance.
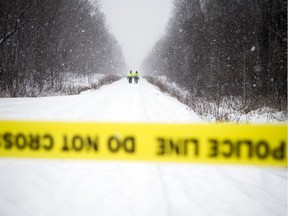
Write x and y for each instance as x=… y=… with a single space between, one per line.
x=192 y=143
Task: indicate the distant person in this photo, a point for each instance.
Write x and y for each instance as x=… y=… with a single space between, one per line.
x=130 y=76
x=136 y=77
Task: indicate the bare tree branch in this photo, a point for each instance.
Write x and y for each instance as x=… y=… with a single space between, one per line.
x=11 y=33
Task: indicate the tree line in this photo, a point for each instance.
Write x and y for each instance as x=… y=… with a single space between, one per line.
x=226 y=48
x=42 y=39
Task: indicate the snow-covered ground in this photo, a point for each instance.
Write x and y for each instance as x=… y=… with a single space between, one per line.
x=227 y=109
x=55 y=187
x=119 y=102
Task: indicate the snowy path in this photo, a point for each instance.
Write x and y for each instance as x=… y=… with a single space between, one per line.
x=119 y=101
x=44 y=187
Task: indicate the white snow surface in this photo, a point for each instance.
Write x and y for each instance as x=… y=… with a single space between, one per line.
x=58 y=188
x=119 y=102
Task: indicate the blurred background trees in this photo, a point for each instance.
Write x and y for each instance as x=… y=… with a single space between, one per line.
x=42 y=39
x=226 y=48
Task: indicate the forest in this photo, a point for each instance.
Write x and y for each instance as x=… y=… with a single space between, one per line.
x=221 y=48
x=42 y=41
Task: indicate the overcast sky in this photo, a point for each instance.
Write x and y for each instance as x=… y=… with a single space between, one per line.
x=137 y=25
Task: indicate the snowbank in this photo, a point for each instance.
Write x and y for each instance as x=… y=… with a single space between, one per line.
x=65 y=84
x=225 y=109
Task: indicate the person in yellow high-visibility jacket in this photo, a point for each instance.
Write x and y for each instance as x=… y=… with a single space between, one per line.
x=136 y=77
x=130 y=76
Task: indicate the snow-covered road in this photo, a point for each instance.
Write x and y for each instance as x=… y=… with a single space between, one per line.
x=118 y=102
x=55 y=187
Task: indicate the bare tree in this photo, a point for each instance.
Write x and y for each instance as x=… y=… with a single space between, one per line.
x=42 y=39
x=226 y=48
